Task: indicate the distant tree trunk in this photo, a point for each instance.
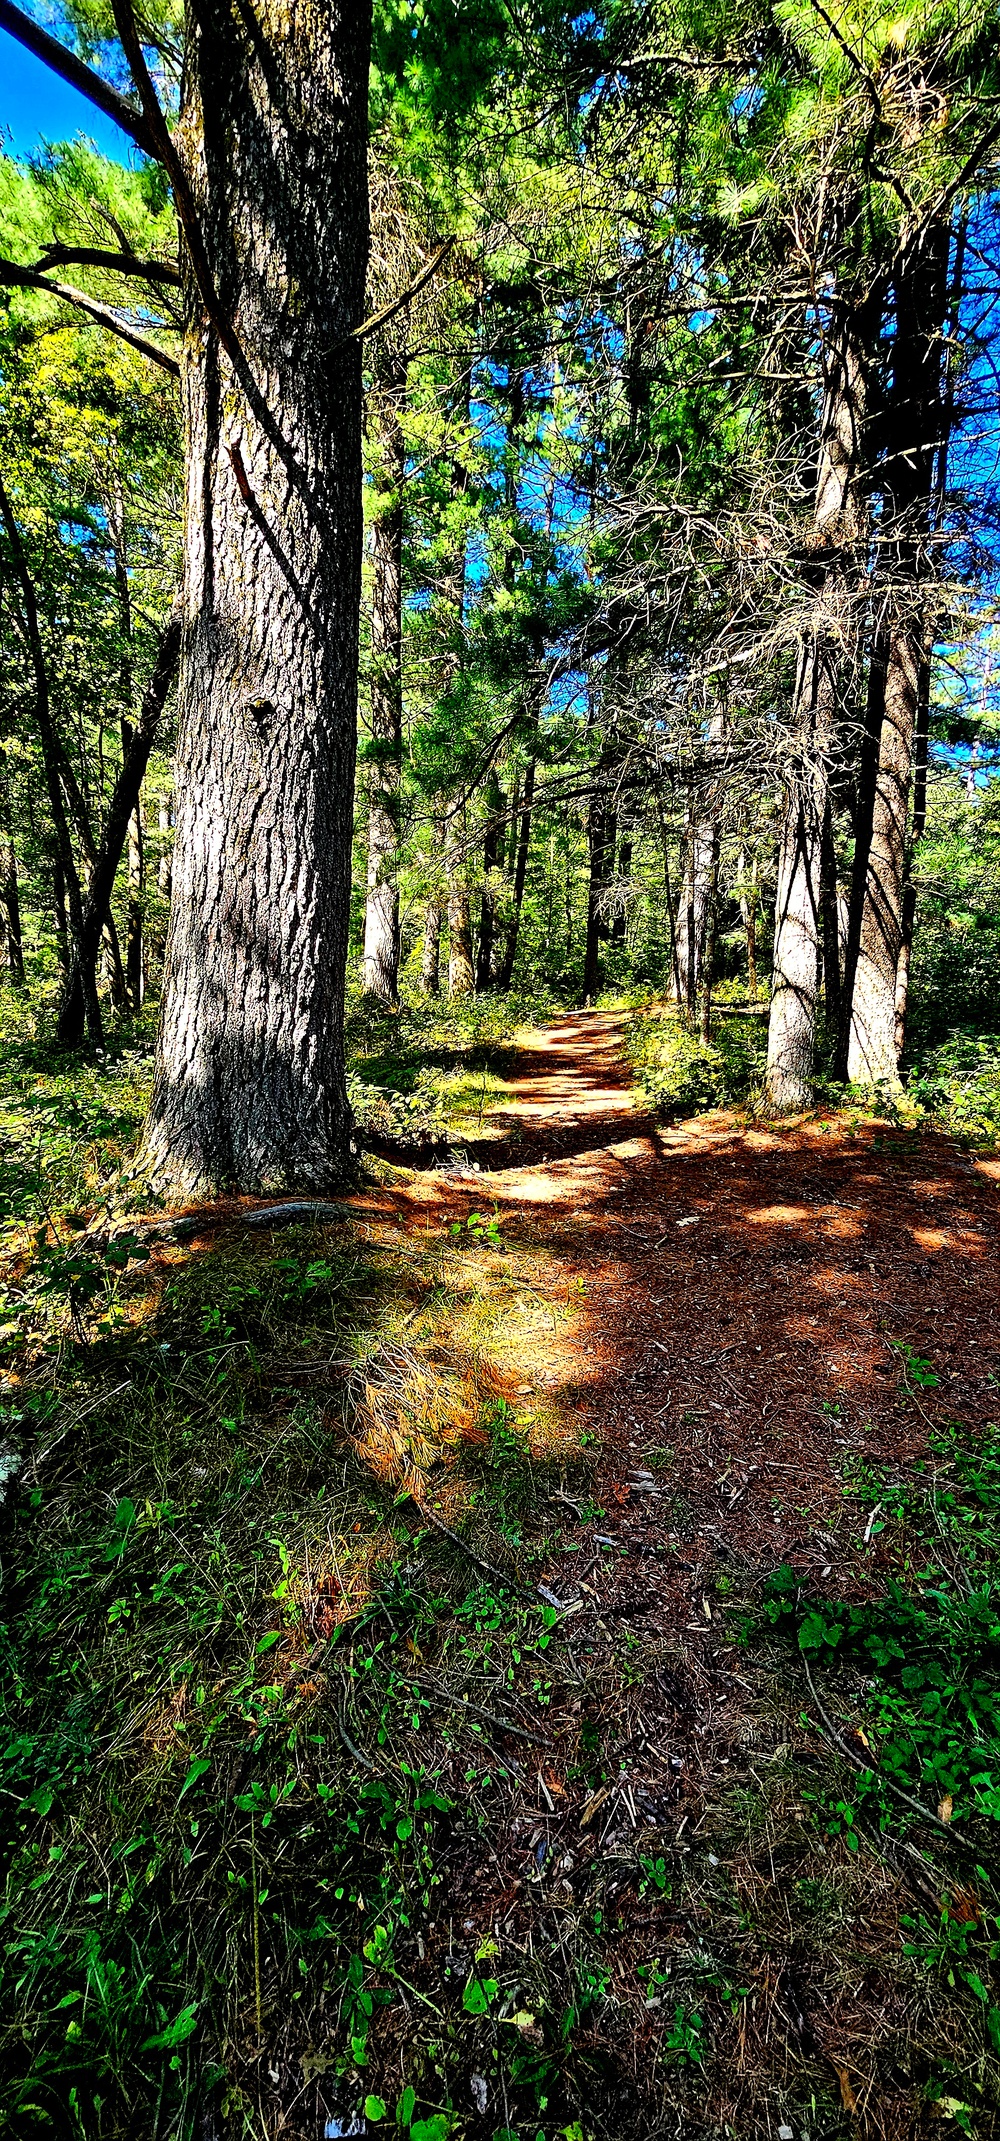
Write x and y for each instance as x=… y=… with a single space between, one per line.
x=461 y=974
x=619 y=920
x=10 y=897
x=430 y=963
x=59 y=915
x=693 y=897
x=600 y=841
x=505 y=970
x=492 y=859
x=916 y=417
x=863 y=814
x=249 y=1091
x=96 y=915
x=66 y=885
x=380 y=966
x=748 y=913
x=135 y=971
x=791 y=1041
x=669 y=897
x=830 y=909
x=711 y=931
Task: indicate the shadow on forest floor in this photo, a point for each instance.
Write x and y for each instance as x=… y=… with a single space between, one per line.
x=407 y=1702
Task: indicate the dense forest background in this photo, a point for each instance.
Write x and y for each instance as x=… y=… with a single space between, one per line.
x=497 y=526
x=679 y=418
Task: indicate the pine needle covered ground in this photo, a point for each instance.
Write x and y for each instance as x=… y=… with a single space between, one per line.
x=519 y=1658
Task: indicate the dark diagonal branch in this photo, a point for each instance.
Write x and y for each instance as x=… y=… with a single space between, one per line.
x=92 y=256
x=81 y=77
x=15 y=277
x=81 y=979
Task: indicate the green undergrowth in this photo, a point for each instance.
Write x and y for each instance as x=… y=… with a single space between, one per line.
x=428 y=1073
x=236 y=1749
x=683 y=1075
x=957 y=1084
x=904 y=1684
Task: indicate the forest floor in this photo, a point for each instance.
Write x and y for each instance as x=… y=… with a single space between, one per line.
x=622 y=1578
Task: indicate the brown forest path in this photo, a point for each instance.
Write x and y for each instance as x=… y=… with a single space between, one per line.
x=743 y=1286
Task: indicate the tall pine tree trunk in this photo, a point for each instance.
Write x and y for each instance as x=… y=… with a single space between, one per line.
x=249 y=1090
x=798 y=935
x=134 y=972
x=917 y=828
x=916 y=417
x=380 y=965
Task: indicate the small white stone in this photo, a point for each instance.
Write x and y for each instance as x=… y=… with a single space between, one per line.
x=786 y=2133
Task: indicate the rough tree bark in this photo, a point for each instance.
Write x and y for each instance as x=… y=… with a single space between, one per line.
x=380 y=962
x=915 y=420
x=136 y=872
x=791 y=1041
x=918 y=825
x=249 y=1090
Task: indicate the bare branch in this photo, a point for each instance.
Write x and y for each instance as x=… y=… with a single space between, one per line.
x=91 y=256
x=17 y=277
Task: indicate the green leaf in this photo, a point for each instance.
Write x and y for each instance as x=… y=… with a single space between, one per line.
x=196 y=1770
x=178 y=2031
x=374 y=2109
x=268 y=1641
x=436 y=2128
x=406 y=2107
x=479 y=1994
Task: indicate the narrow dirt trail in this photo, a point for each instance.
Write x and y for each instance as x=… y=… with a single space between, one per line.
x=747 y=1293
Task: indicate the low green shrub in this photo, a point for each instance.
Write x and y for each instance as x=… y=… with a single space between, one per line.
x=683 y=1075
x=958 y=1082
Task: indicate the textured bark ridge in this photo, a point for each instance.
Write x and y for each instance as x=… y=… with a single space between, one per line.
x=799 y=923
x=249 y=1090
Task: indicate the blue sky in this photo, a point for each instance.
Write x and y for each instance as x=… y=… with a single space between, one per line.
x=36 y=107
